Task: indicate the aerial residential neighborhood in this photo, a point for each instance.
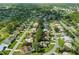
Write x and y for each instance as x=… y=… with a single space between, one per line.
x=39 y=29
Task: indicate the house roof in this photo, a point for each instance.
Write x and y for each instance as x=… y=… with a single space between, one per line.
x=1 y=47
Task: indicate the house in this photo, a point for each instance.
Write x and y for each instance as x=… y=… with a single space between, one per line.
x=66 y=53
x=3 y=47
x=29 y=40
x=33 y=30
x=45 y=29
x=67 y=38
x=68 y=45
x=9 y=40
x=43 y=44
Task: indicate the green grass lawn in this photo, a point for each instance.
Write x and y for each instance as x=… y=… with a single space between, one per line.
x=19 y=47
x=49 y=48
x=12 y=45
x=6 y=52
x=61 y=42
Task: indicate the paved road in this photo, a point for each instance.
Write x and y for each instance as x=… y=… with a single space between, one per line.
x=52 y=51
x=12 y=51
x=66 y=27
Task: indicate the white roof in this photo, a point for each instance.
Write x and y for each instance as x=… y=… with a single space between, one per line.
x=45 y=30
x=34 y=29
x=68 y=45
x=1 y=47
x=28 y=40
x=66 y=53
x=3 y=44
x=67 y=38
